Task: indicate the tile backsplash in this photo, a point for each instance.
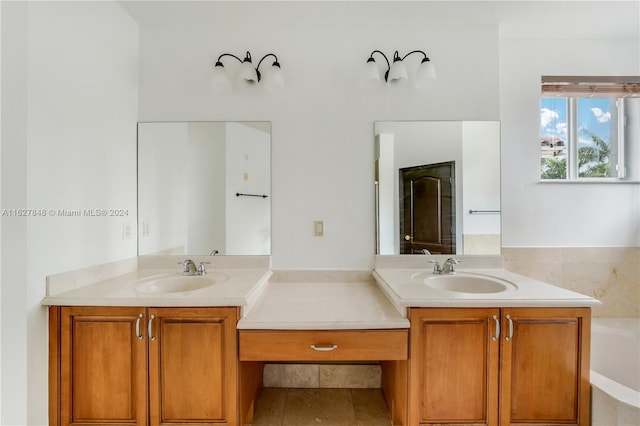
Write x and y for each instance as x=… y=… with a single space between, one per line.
x=609 y=274
x=286 y=375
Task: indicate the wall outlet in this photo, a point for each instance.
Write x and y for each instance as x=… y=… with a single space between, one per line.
x=126 y=231
x=318 y=228
x=146 y=229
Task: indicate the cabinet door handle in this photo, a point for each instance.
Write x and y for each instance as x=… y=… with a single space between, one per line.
x=138 y=334
x=510 y=322
x=150 y=327
x=324 y=348
x=496 y=321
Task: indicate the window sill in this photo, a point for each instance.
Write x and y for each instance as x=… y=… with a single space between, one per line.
x=588 y=181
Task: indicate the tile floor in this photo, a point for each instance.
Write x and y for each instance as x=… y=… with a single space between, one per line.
x=321 y=407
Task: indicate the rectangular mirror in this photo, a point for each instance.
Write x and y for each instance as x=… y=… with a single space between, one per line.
x=437 y=187
x=204 y=188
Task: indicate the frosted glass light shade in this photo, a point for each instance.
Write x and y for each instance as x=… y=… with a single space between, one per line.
x=219 y=78
x=398 y=72
x=247 y=73
x=273 y=78
x=370 y=74
x=426 y=73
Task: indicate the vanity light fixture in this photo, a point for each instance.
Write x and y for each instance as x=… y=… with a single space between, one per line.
x=272 y=78
x=396 y=72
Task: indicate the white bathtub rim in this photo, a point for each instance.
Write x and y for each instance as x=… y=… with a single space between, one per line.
x=616 y=390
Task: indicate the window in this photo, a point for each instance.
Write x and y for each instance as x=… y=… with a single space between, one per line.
x=583 y=132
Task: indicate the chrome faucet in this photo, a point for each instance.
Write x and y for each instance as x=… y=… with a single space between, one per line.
x=189 y=267
x=449 y=266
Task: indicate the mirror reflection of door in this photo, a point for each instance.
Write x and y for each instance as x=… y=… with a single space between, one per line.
x=427 y=209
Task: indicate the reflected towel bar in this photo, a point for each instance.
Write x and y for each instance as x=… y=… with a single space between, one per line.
x=239 y=194
x=483 y=211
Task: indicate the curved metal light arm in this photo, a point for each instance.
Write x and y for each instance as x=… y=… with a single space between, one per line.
x=383 y=55
x=275 y=59
x=415 y=51
x=228 y=54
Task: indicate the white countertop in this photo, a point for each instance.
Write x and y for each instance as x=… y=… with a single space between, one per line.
x=405 y=292
x=301 y=300
x=238 y=287
x=322 y=306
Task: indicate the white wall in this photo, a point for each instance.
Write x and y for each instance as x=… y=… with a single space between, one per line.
x=323 y=147
x=248 y=219
x=322 y=123
x=564 y=214
x=13 y=195
x=387 y=213
x=71 y=145
x=481 y=184
x=206 y=169
x=163 y=174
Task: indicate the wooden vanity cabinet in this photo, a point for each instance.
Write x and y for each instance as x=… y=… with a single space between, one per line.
x=143 y=366
x=509 y=366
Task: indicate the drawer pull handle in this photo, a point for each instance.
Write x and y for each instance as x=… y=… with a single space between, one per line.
x=324 y=348
x=150 y=328
x=497 y=333
x=510 y=322
x=138 y=334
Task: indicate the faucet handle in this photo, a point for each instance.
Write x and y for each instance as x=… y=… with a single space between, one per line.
x=437 y=269
x=201 y=269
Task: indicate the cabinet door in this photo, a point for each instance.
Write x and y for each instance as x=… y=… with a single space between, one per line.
x=192 y=366
x=545 y=366
x=102 y=367
x=454 y=366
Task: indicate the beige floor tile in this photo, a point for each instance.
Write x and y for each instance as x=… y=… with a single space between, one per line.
x=316 y=407
x=321 y=407
x=370 y=408
x=270 y=409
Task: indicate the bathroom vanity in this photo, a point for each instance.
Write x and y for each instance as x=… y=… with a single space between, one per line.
x=179 y=369
x=132 y=349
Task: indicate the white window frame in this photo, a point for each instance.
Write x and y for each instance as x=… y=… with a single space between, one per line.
x=574 y=88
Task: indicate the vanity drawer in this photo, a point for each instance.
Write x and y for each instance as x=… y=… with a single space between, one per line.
x=324 y=345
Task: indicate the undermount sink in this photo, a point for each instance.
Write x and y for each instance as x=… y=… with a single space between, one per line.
x=466 y=283
x=178 y=283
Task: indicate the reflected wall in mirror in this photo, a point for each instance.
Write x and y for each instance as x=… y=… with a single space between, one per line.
x=437 y=187
x=204 y=187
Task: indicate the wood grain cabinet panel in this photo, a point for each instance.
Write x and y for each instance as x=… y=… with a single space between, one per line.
x=143 y=366
x=545 y=366
x=454 y=367
x=509 y=366
x=323 y=345
x=103 y=376
x=192 y=366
